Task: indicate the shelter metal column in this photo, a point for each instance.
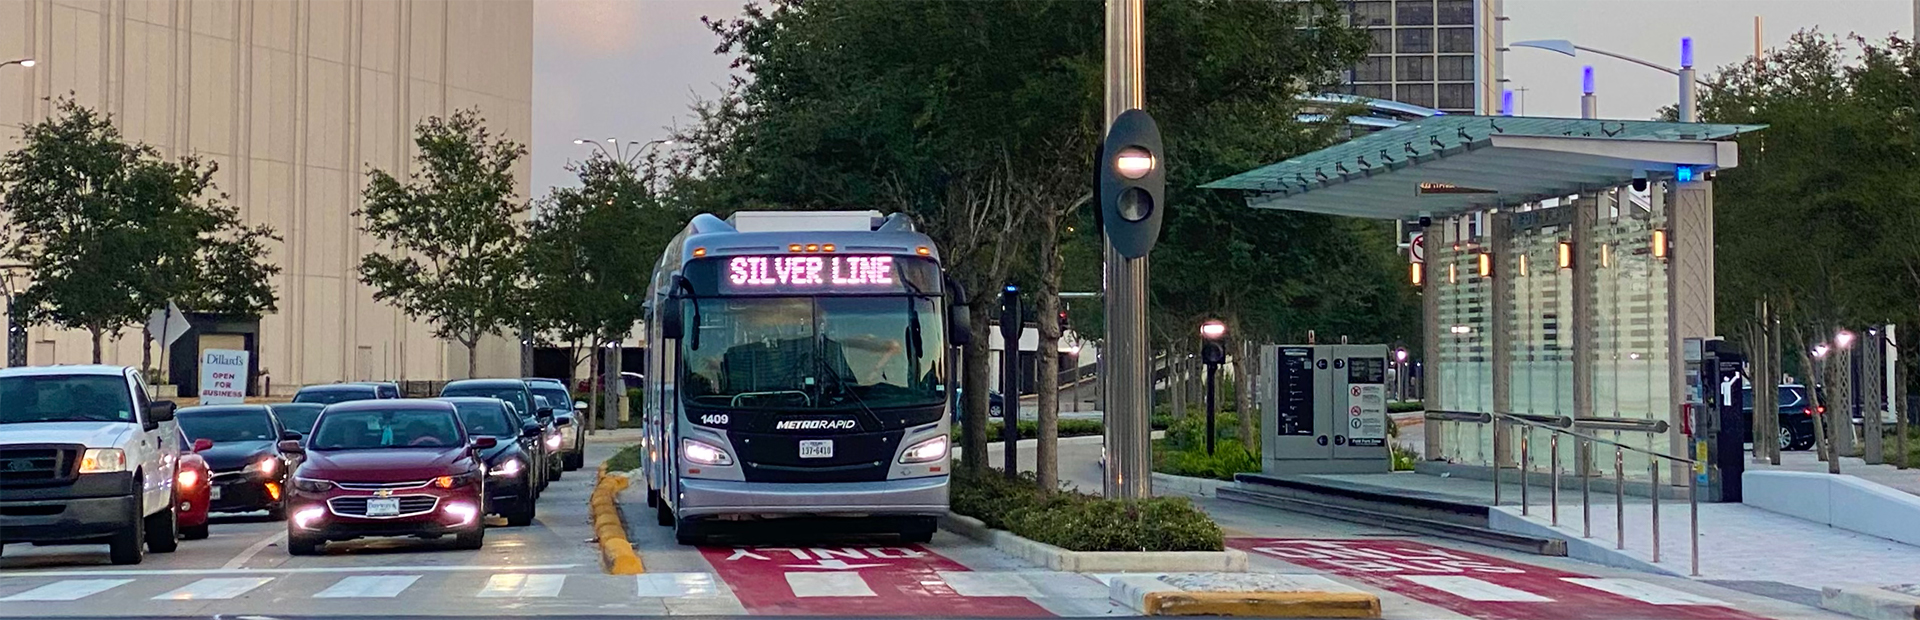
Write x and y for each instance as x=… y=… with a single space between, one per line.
x=1584 y=269
x=1689 y=293
x=1432 y=281
x=1500 y=302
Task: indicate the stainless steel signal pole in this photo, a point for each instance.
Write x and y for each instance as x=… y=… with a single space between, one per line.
x=1125 y=353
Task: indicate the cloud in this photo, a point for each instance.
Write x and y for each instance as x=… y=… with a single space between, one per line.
x=591 y=26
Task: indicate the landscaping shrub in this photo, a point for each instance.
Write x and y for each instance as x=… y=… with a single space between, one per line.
x=1403 y=406
x=627 y=459
x=1228 y=458
x=1030 y=429
x=1081 y=522
x=1404 y=457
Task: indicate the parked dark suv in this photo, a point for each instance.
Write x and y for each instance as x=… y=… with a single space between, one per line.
x=1796 y=416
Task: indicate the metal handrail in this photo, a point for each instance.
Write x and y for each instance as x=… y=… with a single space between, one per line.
x=1560 y=425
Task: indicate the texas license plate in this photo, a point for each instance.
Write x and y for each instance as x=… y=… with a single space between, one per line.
x=816 y=448
x=383 y=507
x=216 y=494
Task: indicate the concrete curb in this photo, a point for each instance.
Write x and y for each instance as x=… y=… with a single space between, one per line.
x=1187 y=485
x=1055 y=558
x=1872 y=603
x=616 y=552
x=1241 y=594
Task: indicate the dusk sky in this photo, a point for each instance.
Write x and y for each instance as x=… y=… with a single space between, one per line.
x=629 y=69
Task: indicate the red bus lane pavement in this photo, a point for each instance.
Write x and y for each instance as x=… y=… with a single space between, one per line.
x=1490 y=588
x=897 y=581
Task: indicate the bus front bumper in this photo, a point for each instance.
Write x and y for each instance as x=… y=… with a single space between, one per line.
x=906 y=497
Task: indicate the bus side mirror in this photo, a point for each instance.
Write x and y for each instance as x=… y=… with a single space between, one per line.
x=959 y=324
x=672 y=320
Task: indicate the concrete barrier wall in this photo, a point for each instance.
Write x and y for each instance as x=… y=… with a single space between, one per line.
x=1841 y=501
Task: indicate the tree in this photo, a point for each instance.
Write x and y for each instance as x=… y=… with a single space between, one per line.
x=111 y=232
x=454 y=232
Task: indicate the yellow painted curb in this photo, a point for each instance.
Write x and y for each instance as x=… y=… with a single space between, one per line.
x=616 y=552
x=1263 y=604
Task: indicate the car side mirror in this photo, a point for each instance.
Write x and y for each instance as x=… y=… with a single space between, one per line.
x=485 y=442
x=161 y=410
x=546 y=412
x=291 y=446
x=202 y=444
x=563 y=422
x=292 y=435
x=579 y=405
x=531 y=429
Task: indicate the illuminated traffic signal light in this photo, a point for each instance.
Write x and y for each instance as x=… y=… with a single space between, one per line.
x=1133 y=183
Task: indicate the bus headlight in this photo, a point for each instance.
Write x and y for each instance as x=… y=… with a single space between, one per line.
x=926 y=451
x=704 y=453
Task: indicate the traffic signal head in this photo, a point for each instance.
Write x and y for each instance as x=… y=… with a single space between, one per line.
x=1133 y=182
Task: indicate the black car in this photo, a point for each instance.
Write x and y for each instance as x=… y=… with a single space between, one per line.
x=510 y=464
x=249 y=472
x=573 y=444
x=996 y=405
x=336 y=393
x=1795 y=414
x=297 y=417
x=384 y=389
x=515 y=392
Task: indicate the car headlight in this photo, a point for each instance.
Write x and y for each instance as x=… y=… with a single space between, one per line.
x=507 y=468
x=926 y=451
x=312 y=485
x=704 y=453
x=103 y=461
x=456 y=480
x=553 y=443
x=266 y=466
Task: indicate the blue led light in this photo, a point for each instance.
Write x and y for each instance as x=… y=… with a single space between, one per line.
x=1013 y=289
x=1686 y=52
x=1586 y=80
x=1506 y=103
x=1683 y=173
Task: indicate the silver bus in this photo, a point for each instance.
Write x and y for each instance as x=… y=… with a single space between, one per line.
x=798 y=368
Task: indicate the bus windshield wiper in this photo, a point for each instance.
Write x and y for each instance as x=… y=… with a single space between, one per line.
x=842 y=381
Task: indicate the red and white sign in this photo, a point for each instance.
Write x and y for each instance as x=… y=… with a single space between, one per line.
x=1490 y=588
x=1417 y=248
x=223 y=377
x=896 y=581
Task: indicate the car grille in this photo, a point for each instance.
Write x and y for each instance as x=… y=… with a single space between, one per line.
x=410 y=505
x=24 y=466
x=375 y=486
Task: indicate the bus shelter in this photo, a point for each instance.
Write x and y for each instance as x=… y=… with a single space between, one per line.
x=1565 y=262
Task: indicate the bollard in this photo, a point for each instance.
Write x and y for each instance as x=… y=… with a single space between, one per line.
x=1585 y=451
x=1619 y=498
x=1653 y=465
x=1526 y=468
x=1553 y=493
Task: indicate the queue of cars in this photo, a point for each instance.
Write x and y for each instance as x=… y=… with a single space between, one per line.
x=87 y=457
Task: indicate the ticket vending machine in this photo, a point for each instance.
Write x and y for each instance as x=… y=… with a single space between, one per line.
x=1324 y=409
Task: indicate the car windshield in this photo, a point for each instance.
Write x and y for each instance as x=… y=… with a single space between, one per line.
x=298 y=416
x=556 y=398
x=223 y=425
x=485 y=419
x=385 y=428
x=514 y=396
x=65 y=398
x=328 y=396
x=816 y=353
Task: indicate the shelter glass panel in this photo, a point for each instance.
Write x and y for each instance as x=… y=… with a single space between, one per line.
x=1465 y=367
x=1630 y=322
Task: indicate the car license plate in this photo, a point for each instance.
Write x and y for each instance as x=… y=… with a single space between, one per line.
x=816 y=448
x=216 y=494
x=383 y=507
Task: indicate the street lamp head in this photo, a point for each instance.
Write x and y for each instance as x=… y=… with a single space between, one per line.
x=613 y=140
x=1213 y=330
x=1820 y=350
x=28 y=62
x=1552 y=45
x=1586 y=80
x=579 y=141
x=1686 y=52
x=1400 y=355
x=1843 y=339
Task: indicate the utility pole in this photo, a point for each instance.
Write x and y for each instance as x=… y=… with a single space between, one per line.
x=1124 y=352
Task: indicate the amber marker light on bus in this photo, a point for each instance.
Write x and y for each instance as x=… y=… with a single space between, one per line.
x=923 y=251
x=827 y=247
x=699 y=252
x=813 y=247
x=793 y=247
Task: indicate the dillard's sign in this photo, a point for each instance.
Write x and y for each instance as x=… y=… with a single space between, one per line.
x=223 y=377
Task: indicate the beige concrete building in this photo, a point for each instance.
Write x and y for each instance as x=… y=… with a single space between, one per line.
x=295 y=99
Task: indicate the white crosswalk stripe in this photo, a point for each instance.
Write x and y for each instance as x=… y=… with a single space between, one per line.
x=368 y=586
x=1644 y=592
x=67 y=590
x=678 y=585
x=807 y=585
x=214 y=588
x=522 y=585
x=1475 y=589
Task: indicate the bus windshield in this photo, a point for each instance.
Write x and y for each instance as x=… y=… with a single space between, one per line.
x=810 y=353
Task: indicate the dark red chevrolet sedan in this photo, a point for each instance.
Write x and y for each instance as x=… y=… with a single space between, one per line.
x=387 y=468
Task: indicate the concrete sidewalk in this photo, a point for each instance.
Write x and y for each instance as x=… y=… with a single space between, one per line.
x=1907 y=480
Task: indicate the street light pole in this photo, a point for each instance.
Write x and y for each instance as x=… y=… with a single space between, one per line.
x=1127 y=383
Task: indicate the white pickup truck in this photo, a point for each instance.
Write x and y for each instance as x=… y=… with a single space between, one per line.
x=85 y=457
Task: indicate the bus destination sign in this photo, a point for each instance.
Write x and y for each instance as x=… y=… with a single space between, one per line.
x=811 y=272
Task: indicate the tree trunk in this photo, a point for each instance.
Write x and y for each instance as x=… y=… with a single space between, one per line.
x=1046 y=463
x=1900 y=412
x=1821 y=437
x=1177 y=381
x=1243 y=396
x=473 y=355
x=593 y=382
x=977 y=384
x=146 y=351
x=98 y=333
x=616 y=388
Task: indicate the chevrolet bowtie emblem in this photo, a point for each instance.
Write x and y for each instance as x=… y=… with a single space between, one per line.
x=383 y=493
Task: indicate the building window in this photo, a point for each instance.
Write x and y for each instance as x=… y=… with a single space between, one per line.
x=1374 y=91
x=1456 y=68
x=1456 y=98
x=1375 y=69
x=1414 y=12
x=1373 y=13
x=1414 y=40
x=1382 y=40
x=1416 y=94
x=1456 y=40
x=1455 y=13
x=1415 y=68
